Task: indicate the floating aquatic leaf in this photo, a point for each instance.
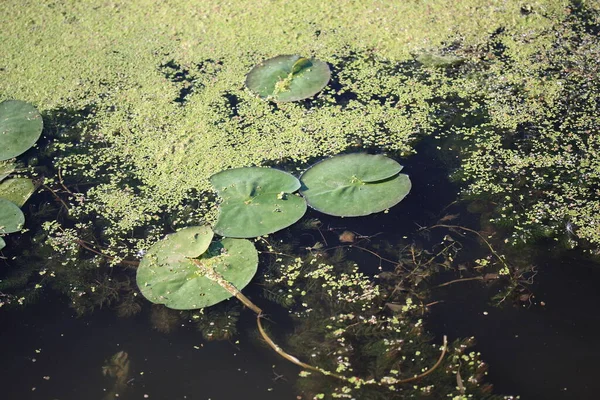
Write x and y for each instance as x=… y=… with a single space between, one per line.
x=11 y=217
x=353 y=185
x=256 y=201
x=2 y=243
x=6 y=168
x=181 y=271
x=439 y=61
x=17 y=190
x=288 y=78
x=20 y=127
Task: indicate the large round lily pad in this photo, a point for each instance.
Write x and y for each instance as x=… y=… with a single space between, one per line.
x=288 y=78
x=353 y=185
x=168 y=275
x=20 y=127
x=256 y=201
x=11 y=217
x=17 y=190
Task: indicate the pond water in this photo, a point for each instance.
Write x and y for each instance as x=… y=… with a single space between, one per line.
x=539 y=352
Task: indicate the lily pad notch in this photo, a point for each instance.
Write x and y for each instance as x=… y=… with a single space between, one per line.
x=288 y=78
x=186 y=270
x=256 y=201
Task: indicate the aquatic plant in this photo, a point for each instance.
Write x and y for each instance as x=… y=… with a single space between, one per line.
x=186 y=271
x=256 y=201
x=11 y=217
x=354 y=185
x=288 y=78
x=20 y=127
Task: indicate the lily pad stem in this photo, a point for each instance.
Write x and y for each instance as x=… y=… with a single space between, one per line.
x=218 y=278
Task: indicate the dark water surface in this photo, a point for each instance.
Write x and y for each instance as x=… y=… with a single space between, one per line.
x=540 y=352
x=47 y=353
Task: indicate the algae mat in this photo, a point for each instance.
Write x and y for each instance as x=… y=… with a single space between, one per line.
x=159 y=86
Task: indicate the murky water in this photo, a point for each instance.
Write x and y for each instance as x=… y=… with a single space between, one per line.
x=48 y=353
x=540 y=352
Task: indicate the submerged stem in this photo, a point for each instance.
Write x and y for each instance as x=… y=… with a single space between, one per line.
x=218 y=278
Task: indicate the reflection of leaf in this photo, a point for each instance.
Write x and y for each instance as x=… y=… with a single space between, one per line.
x=394 y=307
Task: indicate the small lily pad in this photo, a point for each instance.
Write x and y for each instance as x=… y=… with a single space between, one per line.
x=20 y=127
x=256 y=201
x=438 y=60
x=354 y=185
x=6 y=168
x=11 y=217
x=17 y=190
x=288 y=78
x=2 y=243
x=174 y=274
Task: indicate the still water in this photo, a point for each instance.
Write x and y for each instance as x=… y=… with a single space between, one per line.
x=545 y=351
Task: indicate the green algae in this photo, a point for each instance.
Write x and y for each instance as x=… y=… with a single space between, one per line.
x=165 y=114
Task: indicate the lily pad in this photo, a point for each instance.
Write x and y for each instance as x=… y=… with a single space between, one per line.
x=354 y=185
x=6 y=168
x=169 y=275
x=2 y=243
x=17 y=190
x=288 y=78
x=11 y=217
x=20 y=127
x=256 y=201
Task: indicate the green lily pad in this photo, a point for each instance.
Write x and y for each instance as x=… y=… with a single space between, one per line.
x=288 y=78
x=2 y=243
x=256 y=201
x=11 y=217
x=6 y=168
x=168 y=275
x=20 y=127
x=17 y=190
x=354 y=185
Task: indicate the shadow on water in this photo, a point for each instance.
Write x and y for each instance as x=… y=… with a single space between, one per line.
x=545 y=351
x=50 y=354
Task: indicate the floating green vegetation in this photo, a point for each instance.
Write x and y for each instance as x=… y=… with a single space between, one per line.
x=20 y=127
x=183 y=270
x=288 y=78
x=156 y=121
x=353 y=185
x=256 y=201
x=11 y=217
x=529 y=146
